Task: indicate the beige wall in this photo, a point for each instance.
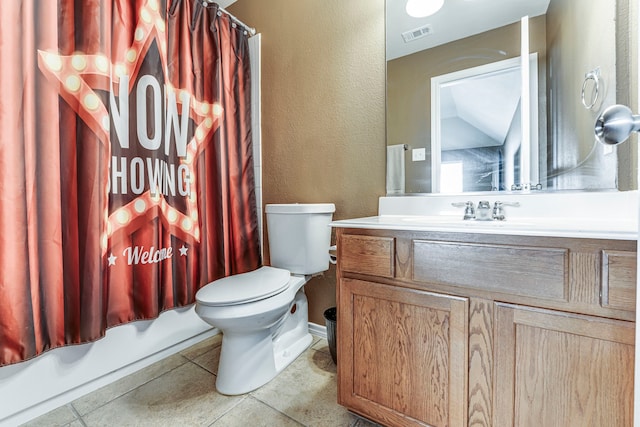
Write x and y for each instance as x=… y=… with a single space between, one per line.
x=323 y=109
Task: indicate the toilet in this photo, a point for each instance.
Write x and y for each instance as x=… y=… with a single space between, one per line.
x=263 y=314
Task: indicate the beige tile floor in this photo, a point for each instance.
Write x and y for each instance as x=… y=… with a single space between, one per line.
x=180 y=391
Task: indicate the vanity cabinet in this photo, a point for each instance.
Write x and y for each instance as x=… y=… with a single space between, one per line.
x=560 y=369
x=405 y=354
x=456 y=329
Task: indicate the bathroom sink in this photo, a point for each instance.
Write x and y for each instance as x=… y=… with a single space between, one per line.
x=559 y=227
x=427 y=219
x=549 y=223
x=610 y=215
x=457 y=221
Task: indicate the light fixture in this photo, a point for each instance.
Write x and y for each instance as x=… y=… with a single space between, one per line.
x=423 y=8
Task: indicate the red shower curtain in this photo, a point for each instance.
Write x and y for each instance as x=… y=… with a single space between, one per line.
x=126 y=170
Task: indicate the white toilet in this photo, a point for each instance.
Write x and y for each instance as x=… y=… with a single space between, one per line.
x=263 y=314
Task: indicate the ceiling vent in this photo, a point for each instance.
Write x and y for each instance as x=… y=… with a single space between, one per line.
x=417 y=33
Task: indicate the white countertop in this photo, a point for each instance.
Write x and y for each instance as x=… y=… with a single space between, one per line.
x=534 y=227
x=607 y=215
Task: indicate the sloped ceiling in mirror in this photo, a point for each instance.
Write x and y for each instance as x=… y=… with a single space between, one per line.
x=479 y=115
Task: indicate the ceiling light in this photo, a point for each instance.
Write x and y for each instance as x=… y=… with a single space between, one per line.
x=422 y=8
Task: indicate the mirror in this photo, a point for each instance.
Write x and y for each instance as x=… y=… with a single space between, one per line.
x=571 y=40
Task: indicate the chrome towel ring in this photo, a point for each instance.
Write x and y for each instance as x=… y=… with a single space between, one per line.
x=595 y=76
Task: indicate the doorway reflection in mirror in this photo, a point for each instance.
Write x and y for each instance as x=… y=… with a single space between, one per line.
x=476 y=118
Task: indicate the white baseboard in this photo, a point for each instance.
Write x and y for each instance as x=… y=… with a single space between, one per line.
x=318 y=330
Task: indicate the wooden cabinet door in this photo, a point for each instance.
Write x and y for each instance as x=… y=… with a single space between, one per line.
x=403 y=354
x=559 y=369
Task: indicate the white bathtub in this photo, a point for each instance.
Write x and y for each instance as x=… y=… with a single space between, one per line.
x=37 y=386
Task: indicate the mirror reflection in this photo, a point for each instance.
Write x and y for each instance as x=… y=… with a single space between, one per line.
x=570 y=39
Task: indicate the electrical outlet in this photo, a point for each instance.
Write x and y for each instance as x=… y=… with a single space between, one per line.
x=418 y=154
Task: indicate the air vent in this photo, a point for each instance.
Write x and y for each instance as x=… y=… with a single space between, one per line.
x=417 y=33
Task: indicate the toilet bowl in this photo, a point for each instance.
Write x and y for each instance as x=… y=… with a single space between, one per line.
x=263 y=314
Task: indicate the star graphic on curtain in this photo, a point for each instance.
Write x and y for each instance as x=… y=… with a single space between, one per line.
x=80 y=75
x=183 y=250
x=112 y=260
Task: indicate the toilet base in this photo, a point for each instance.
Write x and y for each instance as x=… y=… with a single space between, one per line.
x=247 y=362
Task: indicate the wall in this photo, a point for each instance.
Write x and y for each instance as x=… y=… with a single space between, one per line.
x=323 y=109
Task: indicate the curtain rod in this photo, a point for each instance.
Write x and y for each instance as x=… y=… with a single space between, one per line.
x=251 y=30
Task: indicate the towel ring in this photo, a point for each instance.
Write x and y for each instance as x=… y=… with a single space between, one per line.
x=595 y=76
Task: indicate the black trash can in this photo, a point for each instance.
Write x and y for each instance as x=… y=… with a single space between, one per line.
x=330 y=317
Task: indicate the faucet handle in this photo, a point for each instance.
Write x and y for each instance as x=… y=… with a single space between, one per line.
x=469 y=210
x=514 y=204
x=498 y=209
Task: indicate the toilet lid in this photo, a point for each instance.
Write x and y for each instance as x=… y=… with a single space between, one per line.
x=246 y=287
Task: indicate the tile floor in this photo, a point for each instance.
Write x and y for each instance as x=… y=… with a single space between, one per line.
x=180 y=391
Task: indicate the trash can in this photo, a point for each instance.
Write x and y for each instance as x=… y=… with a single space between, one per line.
x=330 y=317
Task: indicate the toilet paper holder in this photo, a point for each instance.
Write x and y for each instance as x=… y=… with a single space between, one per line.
x=333 y=254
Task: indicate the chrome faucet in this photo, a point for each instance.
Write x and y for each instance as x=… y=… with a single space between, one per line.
x=498 y=210
x=483 y=212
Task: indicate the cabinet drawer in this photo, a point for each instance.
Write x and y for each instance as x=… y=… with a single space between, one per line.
x=537 y=272
x=619 y=280
x=367 y=255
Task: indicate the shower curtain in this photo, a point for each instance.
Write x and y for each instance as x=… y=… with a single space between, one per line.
x=126 y=170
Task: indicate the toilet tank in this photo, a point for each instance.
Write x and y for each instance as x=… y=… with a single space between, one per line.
x=300 y=236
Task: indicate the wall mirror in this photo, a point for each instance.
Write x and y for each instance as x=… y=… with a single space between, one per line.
x=569 y=40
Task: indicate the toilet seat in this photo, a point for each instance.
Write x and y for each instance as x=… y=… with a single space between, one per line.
x=243 y=288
